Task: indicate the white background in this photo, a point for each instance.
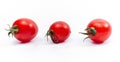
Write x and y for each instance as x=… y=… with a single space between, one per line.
x=77 y=13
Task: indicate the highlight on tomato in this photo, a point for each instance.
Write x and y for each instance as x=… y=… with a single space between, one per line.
x=98 y=30
x=24 y=30
x=59 y=31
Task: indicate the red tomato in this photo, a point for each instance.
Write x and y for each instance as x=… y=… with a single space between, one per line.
x=98 y=30
x=24 y=29
x=59 y=31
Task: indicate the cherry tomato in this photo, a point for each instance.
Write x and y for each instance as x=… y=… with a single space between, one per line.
x=98 y=30
x=24 y=30
x=59 y=31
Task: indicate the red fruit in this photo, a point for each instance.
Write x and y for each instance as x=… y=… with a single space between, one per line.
x=24 y=30
x=98 y=30
x=59 y=31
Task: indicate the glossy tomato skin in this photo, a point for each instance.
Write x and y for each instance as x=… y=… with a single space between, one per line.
x=27 y=30
x=103 y=30
x=61 y=31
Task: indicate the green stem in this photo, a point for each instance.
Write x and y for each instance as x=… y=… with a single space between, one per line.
x=51 y=33
x=90 y=31
x=12 y=30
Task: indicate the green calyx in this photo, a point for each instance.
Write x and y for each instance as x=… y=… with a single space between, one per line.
x=51 y=33
x=12 y=30
x=90 y=32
